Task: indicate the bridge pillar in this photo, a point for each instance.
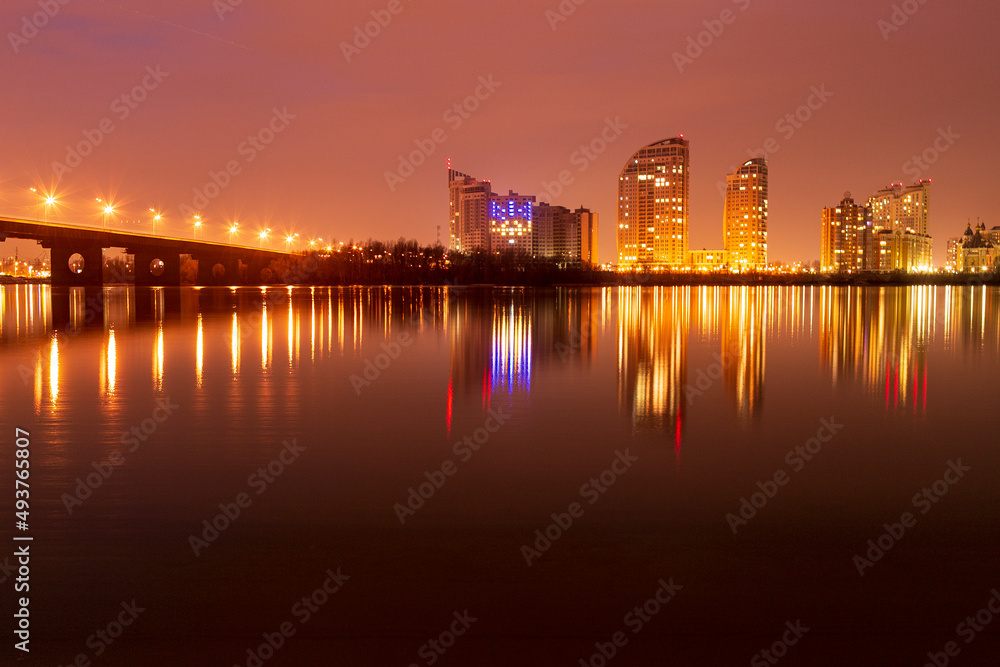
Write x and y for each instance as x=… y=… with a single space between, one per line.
x=218 y=270
x=93 y=264
x=144 y=276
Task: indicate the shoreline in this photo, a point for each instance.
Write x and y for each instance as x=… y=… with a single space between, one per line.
x=659 y=280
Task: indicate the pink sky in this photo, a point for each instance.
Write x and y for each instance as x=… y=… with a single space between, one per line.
x=892 y=94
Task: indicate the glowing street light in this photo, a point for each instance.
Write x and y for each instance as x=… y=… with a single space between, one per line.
x=156 y=218
x=108 y=209
x=263 y=236
x=233 y=229
x=290 y=239
x=48 y=201
x=197 y=225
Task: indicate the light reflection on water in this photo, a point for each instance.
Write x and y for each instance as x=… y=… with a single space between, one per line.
x=877 y=338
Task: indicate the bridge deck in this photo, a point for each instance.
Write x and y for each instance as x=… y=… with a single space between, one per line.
x=50 y=232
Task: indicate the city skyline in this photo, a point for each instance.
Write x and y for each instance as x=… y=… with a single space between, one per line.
x=344 y=114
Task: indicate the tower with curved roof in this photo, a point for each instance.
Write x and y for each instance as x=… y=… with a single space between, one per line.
x=745 y=222
x=653 y=194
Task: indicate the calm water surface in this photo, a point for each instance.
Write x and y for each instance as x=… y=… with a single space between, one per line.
x=744 y=444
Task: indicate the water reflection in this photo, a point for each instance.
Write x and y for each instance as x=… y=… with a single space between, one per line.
x=971 y=321
x=234 y=345
x=200 y=353
x=510 y=368
x=653 y=329
x=109 y=365
x=54 y=371
x=743 y=344
x=668 y=347
x=879 y=338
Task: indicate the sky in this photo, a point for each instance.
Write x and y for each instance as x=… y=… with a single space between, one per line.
x=289 y=116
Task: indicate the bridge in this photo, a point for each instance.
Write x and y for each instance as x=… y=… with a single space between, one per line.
x=157 y=258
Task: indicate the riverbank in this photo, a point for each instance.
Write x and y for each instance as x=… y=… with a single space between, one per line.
x=805 y=279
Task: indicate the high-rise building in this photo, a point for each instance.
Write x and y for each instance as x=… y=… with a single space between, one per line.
x=588 y=222
x=846 y=245
x=511 y=222
x=904 y=213
x=544 y=226
x=902 y=208
x=745 y=222
x=653 y=195
x=953 y=244
x=566 y=235
x=469 y=222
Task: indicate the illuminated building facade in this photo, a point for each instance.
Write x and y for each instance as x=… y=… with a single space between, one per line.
x=901 y=251
x=903 y=211
x=469 y=223
x=708 y=260
x=510 y=218
x=902 y=208
x=745 y=221
x=846 y=243
x=953 y=244
x=653 y=195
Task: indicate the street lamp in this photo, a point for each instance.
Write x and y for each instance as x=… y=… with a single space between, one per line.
x=290 y=239
x=108 y=209
x=233 y=229
x=197 y=225
x=263 y=237
x=156 y=218
x=48 y=201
